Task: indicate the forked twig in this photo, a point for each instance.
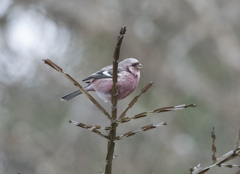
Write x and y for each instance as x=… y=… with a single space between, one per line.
x=164 y=109
x=54 y=66
x=144 y=128
x=219 y=161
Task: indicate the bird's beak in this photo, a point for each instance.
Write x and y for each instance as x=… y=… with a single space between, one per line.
x=140 y=66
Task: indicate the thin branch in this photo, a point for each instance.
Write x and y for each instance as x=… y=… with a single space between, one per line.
x=134 y=100
x=144 y=128
x=90 y=127
x=54 y=66
x=198 y=170
x=219 y=162
x=164 y=109
x=230 y=165
x=214 y=149
x=238 y=138
x=226 y=157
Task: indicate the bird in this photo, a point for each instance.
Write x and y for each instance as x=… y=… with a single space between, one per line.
x=101 y=81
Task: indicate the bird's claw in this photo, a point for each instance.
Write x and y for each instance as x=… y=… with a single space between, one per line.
x=113 y=107
x=116 y=93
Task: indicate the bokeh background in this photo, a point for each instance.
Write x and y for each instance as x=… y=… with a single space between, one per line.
x=190 y=49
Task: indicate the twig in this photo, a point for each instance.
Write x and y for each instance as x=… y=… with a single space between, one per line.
x=230 y=165
x=164 y=109
x=112 y=133
x=226 y=157
x=198 y=170
x=219 y=162
x=54 y=66
x=90 y=127
x=134 y=100
x=238 y=138
x=213 y=146
x=145 y=128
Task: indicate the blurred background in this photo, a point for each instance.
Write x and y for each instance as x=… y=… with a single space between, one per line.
x=190 y=49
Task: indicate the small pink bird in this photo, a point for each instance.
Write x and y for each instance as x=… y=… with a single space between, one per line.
x=101 y=81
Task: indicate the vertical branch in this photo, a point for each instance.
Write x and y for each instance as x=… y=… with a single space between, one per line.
x=115 y=71
x=238 y=138
x=213 y=146
x=112 y=133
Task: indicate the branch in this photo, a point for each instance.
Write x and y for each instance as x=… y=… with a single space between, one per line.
x=165 y=109
x=226 y=157
x=219 y=162
x=134 y=100
x=115 y=70
x=214 y=149
x=230 y=165
x=112 y=133
x=54 y=66
x=91 y=128
x=145 y=128
x=238 y=138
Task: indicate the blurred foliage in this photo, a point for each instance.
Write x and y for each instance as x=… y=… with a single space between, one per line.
x=189 y=49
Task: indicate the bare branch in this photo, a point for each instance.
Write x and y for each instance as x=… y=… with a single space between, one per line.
x=144 y=128
x=238 y=138
x=112 y=133
x=115 y=70
x=54 y=66
x=219 y=161
x=91 y=128
x=230 y=165
x=198 y=170
x=226 y=157
x=164 y=109
x=214 y=149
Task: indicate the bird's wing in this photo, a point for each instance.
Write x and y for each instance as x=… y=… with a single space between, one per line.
x=100 y=75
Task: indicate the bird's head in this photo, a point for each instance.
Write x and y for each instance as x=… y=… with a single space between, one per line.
x=131 y=65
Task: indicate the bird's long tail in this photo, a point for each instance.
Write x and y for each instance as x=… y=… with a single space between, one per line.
x=72 y=95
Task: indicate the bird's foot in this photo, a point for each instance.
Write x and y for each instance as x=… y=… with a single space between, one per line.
x=116 y=93
x=113 y=107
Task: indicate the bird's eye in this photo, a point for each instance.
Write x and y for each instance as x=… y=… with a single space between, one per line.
x=134 y=64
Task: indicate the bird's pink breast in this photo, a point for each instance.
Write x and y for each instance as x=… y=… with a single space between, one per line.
x=126 y=84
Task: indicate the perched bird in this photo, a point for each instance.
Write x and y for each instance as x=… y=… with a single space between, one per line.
x=101 y=81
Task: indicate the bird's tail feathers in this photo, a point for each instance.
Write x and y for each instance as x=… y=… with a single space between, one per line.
x=72 y=95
